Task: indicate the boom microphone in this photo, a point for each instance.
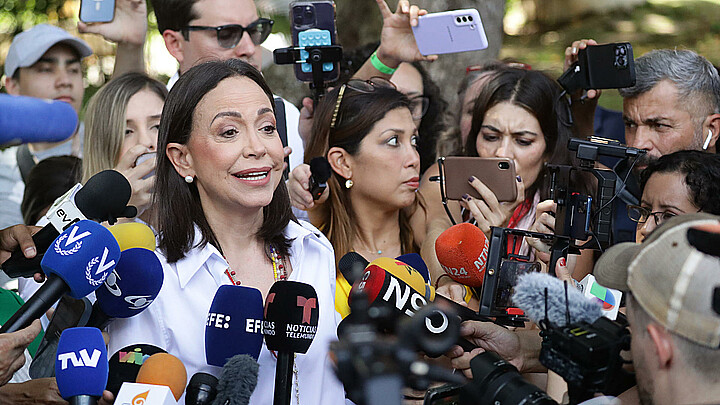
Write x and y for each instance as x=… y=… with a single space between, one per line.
x=292 y=313
x=78 y=263
x=462 y=251
x=320 y=173
x=164 y=369
x=129 y=289
x=103 y=198
x=28 y=120
x=234 y=324
x=81 y=368
x=237 y=381
x=530 y=296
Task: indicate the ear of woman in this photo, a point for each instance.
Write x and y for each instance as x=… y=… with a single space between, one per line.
x=340 y=161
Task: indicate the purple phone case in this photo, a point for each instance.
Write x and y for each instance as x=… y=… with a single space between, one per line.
x=439 y=33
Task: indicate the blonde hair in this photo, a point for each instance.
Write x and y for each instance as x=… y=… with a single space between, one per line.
x=105 y=120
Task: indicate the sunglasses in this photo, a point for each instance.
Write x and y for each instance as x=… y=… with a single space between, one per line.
x=228 y=36
x=363 y=86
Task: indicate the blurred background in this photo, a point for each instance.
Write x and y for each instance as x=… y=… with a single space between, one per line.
x=535 y=32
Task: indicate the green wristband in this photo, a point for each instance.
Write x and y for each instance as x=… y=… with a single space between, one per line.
x=381 y=67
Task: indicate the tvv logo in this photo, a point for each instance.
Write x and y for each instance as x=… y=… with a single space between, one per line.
x=85 y=360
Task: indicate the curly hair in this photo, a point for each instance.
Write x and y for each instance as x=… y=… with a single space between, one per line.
x=702 y=176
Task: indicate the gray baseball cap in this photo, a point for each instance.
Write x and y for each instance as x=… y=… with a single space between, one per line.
x=29 y=46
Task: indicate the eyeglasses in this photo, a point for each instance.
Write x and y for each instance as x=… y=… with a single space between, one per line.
x=640 y=215
x=419 y=106
x=363 y=86
x=228 y=36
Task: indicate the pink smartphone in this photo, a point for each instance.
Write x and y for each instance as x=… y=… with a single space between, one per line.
x=450 y=32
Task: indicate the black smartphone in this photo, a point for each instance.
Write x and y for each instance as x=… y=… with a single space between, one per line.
x=608 y=66
x=312 y=23
x=281 y=125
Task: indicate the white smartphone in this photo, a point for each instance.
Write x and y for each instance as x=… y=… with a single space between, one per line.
x=144 y=157
x=450 y=32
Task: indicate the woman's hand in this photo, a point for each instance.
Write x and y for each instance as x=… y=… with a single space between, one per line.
x=299 y=189
x=129 y=24
x=142 y=189
x=544 y=223
x=488 y=211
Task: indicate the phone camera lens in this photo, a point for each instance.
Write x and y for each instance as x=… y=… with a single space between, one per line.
x=469 y=18
x=458 y=19
x=503 y=165
x=464 y=19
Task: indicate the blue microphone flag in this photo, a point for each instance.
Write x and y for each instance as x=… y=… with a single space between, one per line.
x=81 y=366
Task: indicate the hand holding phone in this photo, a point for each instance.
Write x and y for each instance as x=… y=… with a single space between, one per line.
x=96 y=11
x=450 y=32
x=498 y=174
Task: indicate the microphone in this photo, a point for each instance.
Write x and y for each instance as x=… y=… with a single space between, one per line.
x=462 y=251
x=78 y=263
x=291 y=318
x=234 y=324
x=29 y=119
x=320 y=173
x=103 y=198
x=415 y=261
x=349 y=265
x=237 y=381
x=81 y=367
x=201 y=390
x=126 y=363
x=164 y=369
x=133 y=235
x=129 y=289
x=530 y=296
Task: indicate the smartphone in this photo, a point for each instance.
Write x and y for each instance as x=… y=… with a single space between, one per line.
x=609 y=66
x=448 y=394
x=145 y=156
x=450 y=32
x=509 y=272
x=312 y=23
x=96 y=11
x=281 y=125
x=498 y=174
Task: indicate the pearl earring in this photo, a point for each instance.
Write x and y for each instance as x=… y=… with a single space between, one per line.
x=348 y=183
x=189 y=179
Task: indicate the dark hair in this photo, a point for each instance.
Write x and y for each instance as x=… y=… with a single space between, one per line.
x=173 y=14
x=538 y=94
x=48 y=179
x=173 y=195
x=356 y=117
x=702 y=176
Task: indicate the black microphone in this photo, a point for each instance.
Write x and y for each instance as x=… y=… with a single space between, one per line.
x=201 y=390
x=237 y=381
x=320 y=169
x=291 y=318
x=352 y=266
x=103 y=198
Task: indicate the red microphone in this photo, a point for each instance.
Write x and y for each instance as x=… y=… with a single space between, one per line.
x=462 y=251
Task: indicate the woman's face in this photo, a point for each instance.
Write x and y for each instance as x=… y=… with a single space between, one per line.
x=234 y=150
x=386 y=167
x=665 y=193
x=468 y=104
x=510 y=131
x=408 y=81
x=142 y=120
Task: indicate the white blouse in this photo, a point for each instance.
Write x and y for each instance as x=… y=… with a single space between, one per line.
x=175 y=321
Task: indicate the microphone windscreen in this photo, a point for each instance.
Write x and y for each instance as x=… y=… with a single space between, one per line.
x=416 y=261
x=126 y=363
x=529 y=295
x=292 y=313
x=234 y=324
x=164 y=369
x=320 y=169
x=83 y=256
x=133 y=235
x=132 y=285
x=29 y=119
x=104 y=196
x=348 y=263
x=201 y=390
x=406 y=273
x=81 y=365
x=462 y=251
x=237 y=381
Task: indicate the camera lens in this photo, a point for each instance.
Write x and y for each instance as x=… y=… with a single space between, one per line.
x=308 y=11
x=464 y=19
x=458 y=19
x=503 y=165
x=469 y=18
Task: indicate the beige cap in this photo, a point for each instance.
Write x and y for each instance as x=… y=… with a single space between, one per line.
x=669 y=278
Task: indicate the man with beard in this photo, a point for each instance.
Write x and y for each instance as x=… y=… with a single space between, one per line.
x=671 y=289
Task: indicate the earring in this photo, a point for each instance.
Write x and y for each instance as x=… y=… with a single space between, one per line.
x=348 y=183
x=189 y=179
x=707 y=140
